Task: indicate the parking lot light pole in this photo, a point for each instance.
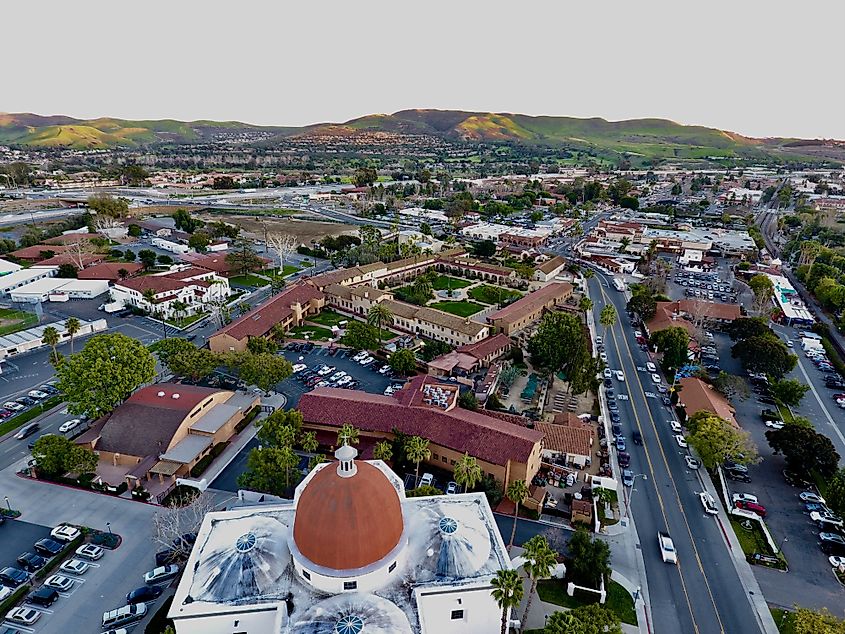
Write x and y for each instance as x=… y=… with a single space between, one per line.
x=8 y=505
x=108 y=526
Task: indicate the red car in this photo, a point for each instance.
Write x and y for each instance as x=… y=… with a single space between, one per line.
x=750 y=506
x=5 y=413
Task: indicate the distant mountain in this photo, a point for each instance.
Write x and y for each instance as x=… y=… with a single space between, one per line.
x=635 y=138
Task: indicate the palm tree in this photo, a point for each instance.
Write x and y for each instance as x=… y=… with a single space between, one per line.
x=51 y=338
x=467 y=472
x=309 y=441
x=585 y=304
x=540 y=561
x=383 y=451
x=607 y=317
x=422 y=286
x=149 y=295
x=416 y=448
x=507 y=591
x=623 y=244
x=122 y=273
x=72 y=327
x=178 y=307
x=517 y=492
x=588 y=274
x=347 y=435
x=377 y=315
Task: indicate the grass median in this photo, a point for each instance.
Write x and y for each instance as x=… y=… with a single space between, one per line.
x=36 y=410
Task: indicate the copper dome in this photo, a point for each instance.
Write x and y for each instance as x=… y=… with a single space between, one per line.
x=344 y=523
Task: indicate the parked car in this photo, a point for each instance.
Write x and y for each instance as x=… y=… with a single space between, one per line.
x=832 y=543
x=67 y=426
x=30 y=561
x=708 y=503
x=628 y=478
x=737 y=476
x=48 y=547
x=655 y=378
x=144 y=594
x=451 y=488
x=38 y=395
x=162 y=573
x=90 y=551
x=620 y=376
x=23 y=615
x=809 y=496
x=125 y=614
x=759 y=509
x=74 y=566
x=608 y=373
x=682 y=442
x=65 y=533
x=59 y=582
x=692 y=463
x=45 y=596
x=13 y=405
x=13 y=577
x=620 y=443
x=744 y=497
x=624 y=459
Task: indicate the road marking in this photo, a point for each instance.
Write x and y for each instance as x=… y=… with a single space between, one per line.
x=822 y=405
x=671 y=479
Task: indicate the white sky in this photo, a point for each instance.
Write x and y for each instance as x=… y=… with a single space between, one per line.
x=761 y=68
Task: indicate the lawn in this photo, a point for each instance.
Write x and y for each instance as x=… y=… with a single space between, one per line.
x=619 y=601
x=184 y=322
x=487 y=294
x=15 y=320
x=754 y=541
x=287 y=269
x=445 y=282
x=328 y=318
x=315 y=333
x=784 y=619
x=248 y=280
x=461 y=309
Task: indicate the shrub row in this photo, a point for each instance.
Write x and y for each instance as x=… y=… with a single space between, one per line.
x=198 y=469
x=247 y=419
x=55 y=561
x=9 y=603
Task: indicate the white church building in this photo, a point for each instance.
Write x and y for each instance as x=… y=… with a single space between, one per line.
x=350 y=555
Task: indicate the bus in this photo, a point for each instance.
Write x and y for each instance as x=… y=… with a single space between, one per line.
x=618 y=284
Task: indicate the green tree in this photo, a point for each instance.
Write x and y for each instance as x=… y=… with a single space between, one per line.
x=592 y=618
x=264 y=370
x=147 y=257
x=467 y=472
x=107 y=205
x=715 y=440
x=766 y=354
x=101 y=375
x=607 y=316
x=807 y=621
x=67 y=271
x=282 y=428
x=185 y=222
x=72 y=327
x=308 y=441
x=507 y=592
x=403 y=362
x=540 y=562
x=50 y=337
x=560 y=344
x=378 y=315
x=265 y=465
x=806 y=451
x=731 y=385
x=788 y=391
x=347 y=435
x=467 y=400
x=763 y=290
x=243 y=259
x=673 y=342
x=361 y=336
x=260 y=345
x=590 y=559
x=484 y=249
x=836 y=492
x=585 y=304
x=383 y=451
x=364 y=177
x=747 y=327
x=417 y=450
x=199 y=241
x=517 y=492
x=182 y=358
x=57 y=455
x=643 y=304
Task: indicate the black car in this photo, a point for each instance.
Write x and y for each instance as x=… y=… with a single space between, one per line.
x=48 y=547
x=45 y=596
x=30 y=561
x=185 y=541
x=13 y=577
x=308 y=347
x=608 y=383
x=737 y=476
x=26 y=400
x=144 y=594
x=637 y=438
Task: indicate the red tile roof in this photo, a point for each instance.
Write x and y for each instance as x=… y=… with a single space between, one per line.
x=696 y=396
x=485 y=347
x=482 y=436
x=108 y=270
x=531 y=302
x=565 y=439
x=34 y=252
x=259 y=321
x=158 y=283
x=72 y=258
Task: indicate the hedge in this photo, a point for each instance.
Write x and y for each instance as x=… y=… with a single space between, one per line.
x=198 y=469
x=57 y=559
x=9 y=603
x=247 y=419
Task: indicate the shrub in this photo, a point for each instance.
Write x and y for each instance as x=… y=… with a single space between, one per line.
x=203 y=464
x=247 y=419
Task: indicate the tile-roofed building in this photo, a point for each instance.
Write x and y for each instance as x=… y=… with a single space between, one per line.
x=470 y=267
x=195 y=288
x=288 y=308
x=85 y=259
x=39 y=252
x=549 y=269
x=487 y=349
x=109 y=271
x=670 y=314
x=215 y=262
x=507 y=451
x=435 y=324
x=571 y=444
x=516 y=316
x=695 y=395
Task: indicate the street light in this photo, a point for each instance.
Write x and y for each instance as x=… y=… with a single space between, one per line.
x=108 y=526
x=8 y=505
x=644 y=476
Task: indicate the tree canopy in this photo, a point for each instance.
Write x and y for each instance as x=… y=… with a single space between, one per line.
x=403 y=362
x=806 y=451
x=590 y=559
x=99 y=377
x=764 y=353
x=108 y=205
x=673 y=342
x=717 y=440
x=560 y=344
x=183 y=358
x=746 y=327
x=643 y=304
x=592 y=618
x=263 y=370
x=789 y=391
x=56 y=455
x=361 y=336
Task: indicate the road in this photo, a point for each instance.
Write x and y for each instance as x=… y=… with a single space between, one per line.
x=703 y=593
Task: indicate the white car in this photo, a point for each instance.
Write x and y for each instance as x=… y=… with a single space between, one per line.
x=774 y=424
x=5 y=592
x=655 y=378
x=65 y=533
x=74 y=566
x=676 y=426
x=361 y=355
x=620 y=376
x=692 y=463
x=667 y=549
x=326 y=370
x=682 y=442
x=162 y=573
x=60 y=583
x=637 y=334
x=599 y=340
x=367 y=361
x=651 y=367
x=25 y=616
x=12 y=405
x=344 y=380
x=337 y=376
x=829 y=518
x=608 y=373
x=603 y=357
x=622 y=397
x=836 y=561
x=299 y=367
x=809 y=496
x=708 y=503
x=73 y=423
x=744 y=497
x=90 y=551
x=38 y=394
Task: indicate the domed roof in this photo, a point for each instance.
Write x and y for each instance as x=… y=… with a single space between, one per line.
x=353 y=613
x=348 y=521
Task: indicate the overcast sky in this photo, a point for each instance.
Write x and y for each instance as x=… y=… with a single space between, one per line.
x=761 y=68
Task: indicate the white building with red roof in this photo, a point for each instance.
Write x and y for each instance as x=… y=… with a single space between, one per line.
x=190 y=289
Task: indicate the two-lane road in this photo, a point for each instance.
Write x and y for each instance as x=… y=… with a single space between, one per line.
x=703 y=593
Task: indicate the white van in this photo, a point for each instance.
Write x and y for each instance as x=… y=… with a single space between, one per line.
x=126 y=614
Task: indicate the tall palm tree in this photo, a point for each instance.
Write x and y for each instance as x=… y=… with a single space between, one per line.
x=178 y=308
x=383 y=451
x=422 y=286
x=588 y=274
x=309 y=441
x=416 y=448
x=51 y=338
x=540 y=561
x=377 y=315
x=517 y=492
x=507 y=591
x=347 y=435
x=467 y=472
x=149 y=295
x=72 y=327
x=585 y=304
x=607 y=317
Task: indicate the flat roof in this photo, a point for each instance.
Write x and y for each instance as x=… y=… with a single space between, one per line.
x=222 y=413
x=187 y=449
x=24 y=275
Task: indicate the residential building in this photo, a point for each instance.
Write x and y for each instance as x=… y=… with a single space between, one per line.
x=190 y=289
x=39 y=252
x=475 y=269
x=289 y=308
x=695 y=396
x=351 y=553
x=516 y=316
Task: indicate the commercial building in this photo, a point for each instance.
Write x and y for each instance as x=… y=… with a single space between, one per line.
x=567 y=445
x=785 y=298
x=16 y=279
x=190 y=290
x=686 y=313
x=288 y=309
x=33 y=338
x=470 y=357
x=350 y=554
x=550 y=269
x=516 y=316
x=58 y=289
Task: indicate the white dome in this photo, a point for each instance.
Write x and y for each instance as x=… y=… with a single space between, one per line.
x=243 y=559
x=353 y=614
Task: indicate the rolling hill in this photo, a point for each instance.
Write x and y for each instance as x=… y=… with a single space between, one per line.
x=643 y=138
